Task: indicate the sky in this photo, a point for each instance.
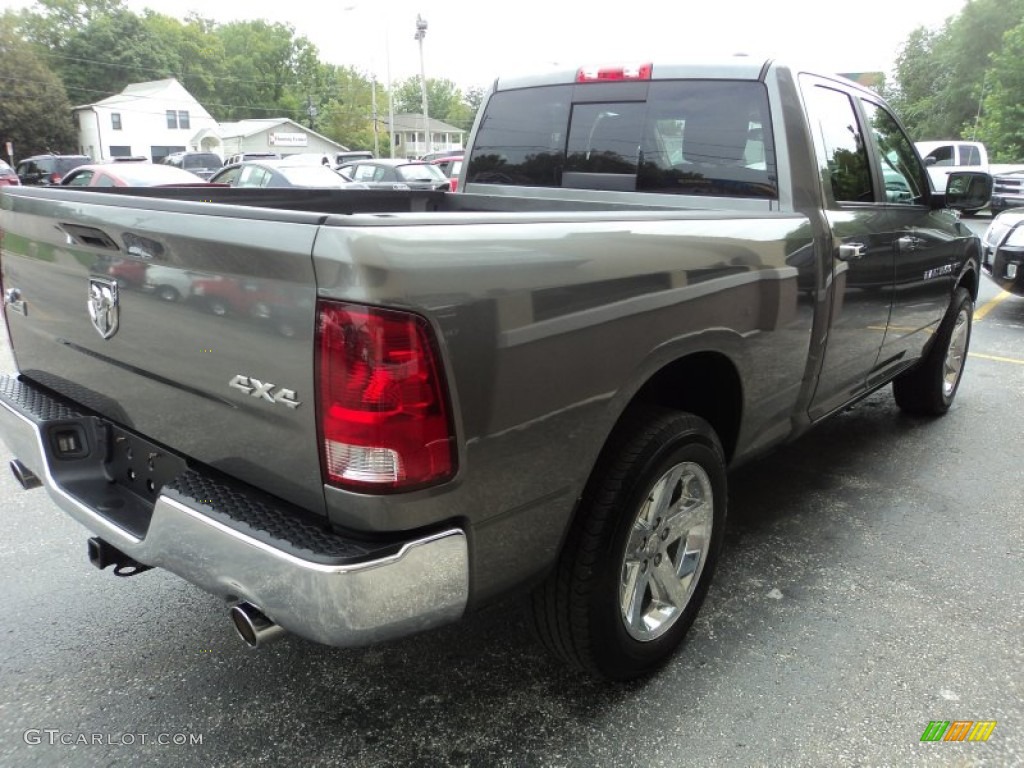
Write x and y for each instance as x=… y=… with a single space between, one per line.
x=472 y=42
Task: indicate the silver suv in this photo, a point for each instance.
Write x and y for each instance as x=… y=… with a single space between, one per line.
x=202 y=164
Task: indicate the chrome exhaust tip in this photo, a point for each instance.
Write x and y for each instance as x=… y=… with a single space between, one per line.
x=25 y=477
x=253 y=626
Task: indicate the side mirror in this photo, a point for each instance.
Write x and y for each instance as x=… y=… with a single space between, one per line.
x=968 y=190
x=930 y=160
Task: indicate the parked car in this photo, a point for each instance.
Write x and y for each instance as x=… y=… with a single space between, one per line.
x=8 y=178
x=202 y=164
x=167 y=283
x=44 y=170
x=1003 y=246
x=241 y=157
x=309 y=158
x=129 y=175
x=395 y=173
x=350 y=155
x=432 y=156
x=279 y=173
x=1007 y=191
x=451 y=167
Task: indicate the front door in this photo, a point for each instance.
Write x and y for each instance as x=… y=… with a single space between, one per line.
x=928 y=251
x=863 y=256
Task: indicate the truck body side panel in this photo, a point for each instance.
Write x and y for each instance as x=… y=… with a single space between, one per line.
x=550 y=329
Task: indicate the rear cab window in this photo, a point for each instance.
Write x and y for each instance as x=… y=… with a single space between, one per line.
x=692 y=137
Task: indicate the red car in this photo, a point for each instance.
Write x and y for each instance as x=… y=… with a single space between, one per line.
x=452 y=167
x=129 y=175
x=8 y=178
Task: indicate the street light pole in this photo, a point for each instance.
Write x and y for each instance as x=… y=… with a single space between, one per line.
x=421 y=32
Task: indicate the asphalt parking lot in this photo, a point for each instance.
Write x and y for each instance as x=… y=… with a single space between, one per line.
x=871 y=583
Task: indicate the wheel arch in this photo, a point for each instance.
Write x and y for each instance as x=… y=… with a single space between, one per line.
x=706 y=384
x=969 y=274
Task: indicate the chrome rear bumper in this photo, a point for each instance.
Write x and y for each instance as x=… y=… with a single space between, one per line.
x=313 y=582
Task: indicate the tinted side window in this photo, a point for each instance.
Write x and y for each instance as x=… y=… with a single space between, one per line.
x=903 y=175
x=69 y=164
x=841 y=142
x=969 y=155
x=943 y=155
x=206 y=160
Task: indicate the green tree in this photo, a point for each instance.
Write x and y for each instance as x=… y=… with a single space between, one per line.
x=198 y=56
x=444 y=99
x=50 y=24
x=348 y=114
x=267 y=65
x=1002 y=124
x=114 y=50
x=940 y=75
x=36 y=114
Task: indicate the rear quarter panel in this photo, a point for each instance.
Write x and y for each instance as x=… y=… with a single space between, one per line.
x=549 y=327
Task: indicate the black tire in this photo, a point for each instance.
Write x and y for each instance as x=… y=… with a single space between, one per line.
x=619 y=548
x=928 y=388
x=167 y=293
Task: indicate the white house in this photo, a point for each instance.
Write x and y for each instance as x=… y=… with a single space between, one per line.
x=148 y=119
x=157 y=118
x=409 y=137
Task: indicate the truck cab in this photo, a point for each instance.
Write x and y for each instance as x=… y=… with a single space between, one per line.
x=944 y=157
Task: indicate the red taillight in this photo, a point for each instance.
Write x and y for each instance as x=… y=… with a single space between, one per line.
x=383 y=411
x=595 y=74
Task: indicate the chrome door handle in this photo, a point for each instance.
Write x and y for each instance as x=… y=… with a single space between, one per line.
x=852 y=251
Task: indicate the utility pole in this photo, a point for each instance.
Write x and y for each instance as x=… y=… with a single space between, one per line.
x=373 y=110
x=312 y=111
x=421 y=32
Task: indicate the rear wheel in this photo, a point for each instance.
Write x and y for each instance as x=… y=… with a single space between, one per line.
x=639 y=558
x=928 y=389
x=168 y=293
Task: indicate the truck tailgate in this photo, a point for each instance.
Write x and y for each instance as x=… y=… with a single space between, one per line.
x=190 y=324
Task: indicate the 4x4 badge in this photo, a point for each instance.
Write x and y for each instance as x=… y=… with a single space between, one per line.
x=103 y=306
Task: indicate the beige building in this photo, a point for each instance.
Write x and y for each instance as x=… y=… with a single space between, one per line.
x=410 y=137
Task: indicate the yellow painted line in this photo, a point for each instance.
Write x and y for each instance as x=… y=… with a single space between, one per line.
x=979 y=314
x=996 y=358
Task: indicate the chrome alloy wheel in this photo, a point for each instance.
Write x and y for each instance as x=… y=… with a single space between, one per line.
x=955 y=353
x=666 y=551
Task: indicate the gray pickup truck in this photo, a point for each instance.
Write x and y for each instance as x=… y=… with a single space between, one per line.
x=362 y=414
